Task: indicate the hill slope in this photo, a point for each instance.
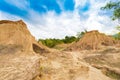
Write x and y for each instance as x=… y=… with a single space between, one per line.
x=18 y=60
x=16 y=33
x=93 y=40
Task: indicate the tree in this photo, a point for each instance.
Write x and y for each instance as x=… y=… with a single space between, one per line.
x=115 y=6
x=80 y=34
x=117 y=36
x=118 y=28
x=69 y=39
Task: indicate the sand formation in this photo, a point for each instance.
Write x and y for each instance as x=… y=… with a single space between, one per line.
x=15 y=33
x=93 y=40
x=14 y=36
x=18 y=60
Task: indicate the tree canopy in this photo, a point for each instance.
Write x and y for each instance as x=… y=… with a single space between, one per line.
x=66 y=40
x=115 y=7
x=53 y=42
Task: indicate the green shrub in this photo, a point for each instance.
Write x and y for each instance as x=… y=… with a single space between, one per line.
x=53 y=42
x=117 y=36
x=68 y=39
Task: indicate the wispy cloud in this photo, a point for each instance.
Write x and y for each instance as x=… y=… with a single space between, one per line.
x=58 y=18
x=85 y=7
x=23 y=5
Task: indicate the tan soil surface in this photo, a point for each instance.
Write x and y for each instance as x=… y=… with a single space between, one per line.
x=67 y=66
x=19 y=61
x=15 y=33
x=92 y=40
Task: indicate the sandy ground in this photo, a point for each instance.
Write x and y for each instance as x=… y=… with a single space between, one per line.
x=67 y=66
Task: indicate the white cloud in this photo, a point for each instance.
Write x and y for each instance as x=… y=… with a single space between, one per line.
x=7 y=16
x=80 y=3
x=22 y=4
x=56 y=26
x=96 y=21
x=61 y=4
x=51 y=25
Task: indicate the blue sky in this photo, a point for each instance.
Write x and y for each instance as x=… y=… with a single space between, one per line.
x=58 y=18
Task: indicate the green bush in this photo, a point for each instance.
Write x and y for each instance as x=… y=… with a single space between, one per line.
x=117 y=36
x=50 y=42
x=53 y=42
x=68 y=39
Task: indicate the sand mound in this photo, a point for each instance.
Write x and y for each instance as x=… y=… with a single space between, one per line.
x=14 y=39
x=15 y=33
x=93 y=40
